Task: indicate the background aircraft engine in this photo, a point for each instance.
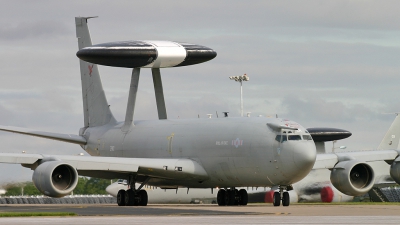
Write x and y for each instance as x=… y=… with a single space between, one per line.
x=395 y=171
x=55 y=178
x=352 y=177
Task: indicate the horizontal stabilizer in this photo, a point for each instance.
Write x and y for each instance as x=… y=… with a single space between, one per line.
x=71 y=138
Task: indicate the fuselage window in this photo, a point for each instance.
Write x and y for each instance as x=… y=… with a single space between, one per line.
x=281 y=138
x=307 y=137
x=294 y=137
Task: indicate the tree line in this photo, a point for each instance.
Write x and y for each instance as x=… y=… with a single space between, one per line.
x=85 y=186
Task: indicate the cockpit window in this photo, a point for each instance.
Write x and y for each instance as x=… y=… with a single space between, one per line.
x=294 y=137
x=281 y=138
x=307 y=137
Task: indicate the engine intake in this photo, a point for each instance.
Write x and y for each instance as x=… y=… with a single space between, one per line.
x=353 y=177
x=55 y=178
x=395 y=171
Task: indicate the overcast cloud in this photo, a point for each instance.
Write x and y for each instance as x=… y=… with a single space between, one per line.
x=320 y=63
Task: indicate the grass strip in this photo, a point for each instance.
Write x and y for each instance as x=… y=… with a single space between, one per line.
x=29 y=214
x=348 y=203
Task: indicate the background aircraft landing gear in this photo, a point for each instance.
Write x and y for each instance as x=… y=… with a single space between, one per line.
x=232 y=197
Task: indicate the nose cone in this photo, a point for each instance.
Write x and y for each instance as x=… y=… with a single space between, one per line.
x=304 y=155
x=113 y=188
x=298 y=160
x=196 y=54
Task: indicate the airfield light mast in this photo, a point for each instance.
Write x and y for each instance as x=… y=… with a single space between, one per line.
x=240 y=79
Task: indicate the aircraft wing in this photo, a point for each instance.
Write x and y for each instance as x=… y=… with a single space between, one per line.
x=71 y=138
x=115 y=167
x=329 y=160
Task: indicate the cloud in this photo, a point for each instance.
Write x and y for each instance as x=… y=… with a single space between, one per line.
x=316 y=109
x=32 y=29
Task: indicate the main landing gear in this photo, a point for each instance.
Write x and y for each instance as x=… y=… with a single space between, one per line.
x=232 y=197
x=133 y=196
x=282 y=195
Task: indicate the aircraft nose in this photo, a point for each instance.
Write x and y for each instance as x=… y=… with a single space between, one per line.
x=304 y=155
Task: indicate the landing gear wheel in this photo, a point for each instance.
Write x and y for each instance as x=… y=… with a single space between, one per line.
x=221 y=197
x=129 y=197
x=277 y=199
x=143 y=198
x=243 y=197
x=285 y=199
x=230 y=197
x=121 y=197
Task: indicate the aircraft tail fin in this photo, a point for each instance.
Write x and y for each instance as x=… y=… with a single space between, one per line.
x=95 y=106
x=392 y=137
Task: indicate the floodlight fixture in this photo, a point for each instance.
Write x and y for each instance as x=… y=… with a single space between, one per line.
x=240 y=79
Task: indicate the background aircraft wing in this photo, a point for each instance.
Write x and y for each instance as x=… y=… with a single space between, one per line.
x=71 y=138
x=329 y=160
x=115 y=167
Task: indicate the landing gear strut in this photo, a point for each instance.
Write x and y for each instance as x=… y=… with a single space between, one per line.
x=133 y=196
x=282 y=195
x=232 y=197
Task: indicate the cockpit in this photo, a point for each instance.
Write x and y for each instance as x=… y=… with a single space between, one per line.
x=291 y=136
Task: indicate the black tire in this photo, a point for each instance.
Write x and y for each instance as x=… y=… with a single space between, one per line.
x=277 y=199
x=221 y=197
x=129 y=197
x=244 y=198
x=237 y=197
x=143 y=197
x=286 y=199
x=121 y=197
x=230 y=197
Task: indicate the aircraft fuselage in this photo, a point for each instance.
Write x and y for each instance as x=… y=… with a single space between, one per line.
x=234 y=152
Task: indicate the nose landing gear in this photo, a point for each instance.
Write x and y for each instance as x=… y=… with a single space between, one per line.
x=282 y=195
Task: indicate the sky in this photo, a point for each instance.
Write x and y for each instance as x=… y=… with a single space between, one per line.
x=319 y=63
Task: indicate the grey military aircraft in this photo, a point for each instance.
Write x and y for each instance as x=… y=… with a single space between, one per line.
x=192 y=153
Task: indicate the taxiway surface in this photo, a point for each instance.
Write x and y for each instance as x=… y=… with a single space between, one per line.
x=209 y=214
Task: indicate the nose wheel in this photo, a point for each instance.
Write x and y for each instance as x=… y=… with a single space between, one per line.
x=283 y=196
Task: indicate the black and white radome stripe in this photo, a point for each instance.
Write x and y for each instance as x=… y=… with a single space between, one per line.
x=148 y=54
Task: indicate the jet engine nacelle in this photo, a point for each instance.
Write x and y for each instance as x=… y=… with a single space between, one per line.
x=55 y=178
x=353 y=177
x=395 y=171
